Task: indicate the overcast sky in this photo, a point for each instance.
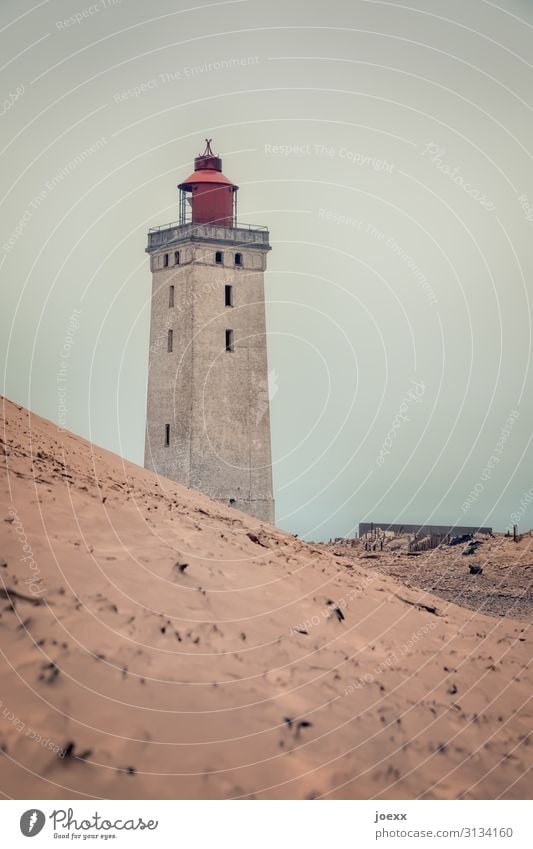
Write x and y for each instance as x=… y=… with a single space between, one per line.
x=388 y=149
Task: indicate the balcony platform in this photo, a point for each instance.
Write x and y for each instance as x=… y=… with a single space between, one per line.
x=242 y=235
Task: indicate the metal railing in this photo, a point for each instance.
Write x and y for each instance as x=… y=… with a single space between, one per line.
x=176 y=224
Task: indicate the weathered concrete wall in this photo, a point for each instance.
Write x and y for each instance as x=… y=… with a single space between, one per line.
x=216 y=402
x=436 y=530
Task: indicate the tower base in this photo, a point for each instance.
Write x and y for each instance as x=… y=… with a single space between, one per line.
x=260 y=508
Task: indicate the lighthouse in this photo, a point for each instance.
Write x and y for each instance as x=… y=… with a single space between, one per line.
x=208 y=416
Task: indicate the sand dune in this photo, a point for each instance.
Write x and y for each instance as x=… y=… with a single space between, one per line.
x=157 y=644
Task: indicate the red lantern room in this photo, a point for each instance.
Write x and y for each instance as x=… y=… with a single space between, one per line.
x=212 y=198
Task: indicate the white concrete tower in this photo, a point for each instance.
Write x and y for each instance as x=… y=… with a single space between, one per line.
x=208 y=417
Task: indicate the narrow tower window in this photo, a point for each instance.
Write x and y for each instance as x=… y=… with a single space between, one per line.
x=165 y=260
x=171 y=296
x=228 y=296
x=170 y=341
x=229 y=341
x=167 y=435
x=238 y=259
x=218 y=257
x=176 y=257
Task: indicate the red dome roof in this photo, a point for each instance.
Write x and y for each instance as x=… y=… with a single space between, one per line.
x=205 y=175
x=207 y=169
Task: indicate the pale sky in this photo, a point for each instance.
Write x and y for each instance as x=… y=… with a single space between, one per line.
x=388 y=149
